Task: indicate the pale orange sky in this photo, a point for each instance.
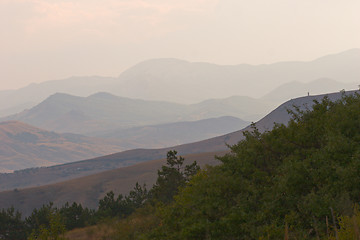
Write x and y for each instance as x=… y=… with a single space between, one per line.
x=51 y=39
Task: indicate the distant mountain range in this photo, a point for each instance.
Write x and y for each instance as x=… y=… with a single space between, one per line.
x=91 y=106
x=102 y=112
x=40 y=176
x=173 y=79
x=24 y=146
x=180 y=81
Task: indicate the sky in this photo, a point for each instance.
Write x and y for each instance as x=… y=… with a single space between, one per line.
x=53 y=39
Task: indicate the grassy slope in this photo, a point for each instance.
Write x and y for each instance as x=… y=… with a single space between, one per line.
x=88 y=190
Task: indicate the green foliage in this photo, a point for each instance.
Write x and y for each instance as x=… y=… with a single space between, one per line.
x=11 y=224
x=171 y=177
x=109 y=206
x=49 y=222
x=53 y=231
x=40 y=218
x=121 y=206
x=293 y=174
x=75 y=216
x=137 y=197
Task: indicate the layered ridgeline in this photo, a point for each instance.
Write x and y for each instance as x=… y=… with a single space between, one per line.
x=122 y=179
x=186 y=82
x=24 y=146
x=172 y=79
x=292 y=182
x=102 y=112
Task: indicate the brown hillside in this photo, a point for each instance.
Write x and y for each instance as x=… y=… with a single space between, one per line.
x=24 y=146
x=88 y=190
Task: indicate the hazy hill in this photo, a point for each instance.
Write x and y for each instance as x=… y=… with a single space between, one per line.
x=104 y=112
x=173 y=79
x=40 y=176
x=171 y=134
x=24 y=146
x=186 y=82
x=13 y=101
x=246 y=108
x=292 y=90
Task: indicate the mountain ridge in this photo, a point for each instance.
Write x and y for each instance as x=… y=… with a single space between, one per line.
x=95 y=183
x=33 y=177
x=232 y=80
x=103 y=112
x=25 y=146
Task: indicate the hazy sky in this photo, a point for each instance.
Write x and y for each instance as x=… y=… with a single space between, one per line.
x=53 y=39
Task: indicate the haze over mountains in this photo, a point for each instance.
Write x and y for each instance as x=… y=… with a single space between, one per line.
x=185 y=82
x=34 y=177
x=135 y=123
x=155 y=136
x=132 y=121
x=157 y=105
x=24 y=146
x=35 y=197
x=292 y=90
x=103 y=112
x=169 y=79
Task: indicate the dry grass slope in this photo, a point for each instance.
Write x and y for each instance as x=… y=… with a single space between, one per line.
x=24 y=146
x=88 y=190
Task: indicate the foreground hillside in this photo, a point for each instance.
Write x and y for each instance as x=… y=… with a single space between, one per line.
x=290 y=183
x=285 y=182
x=90 y=189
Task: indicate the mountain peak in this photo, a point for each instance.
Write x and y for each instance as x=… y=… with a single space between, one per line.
x=103 y=95
x=347 y=55
x=59 y=95
x=156 y=65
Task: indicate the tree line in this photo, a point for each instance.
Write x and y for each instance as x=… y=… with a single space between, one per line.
x=50 y=222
